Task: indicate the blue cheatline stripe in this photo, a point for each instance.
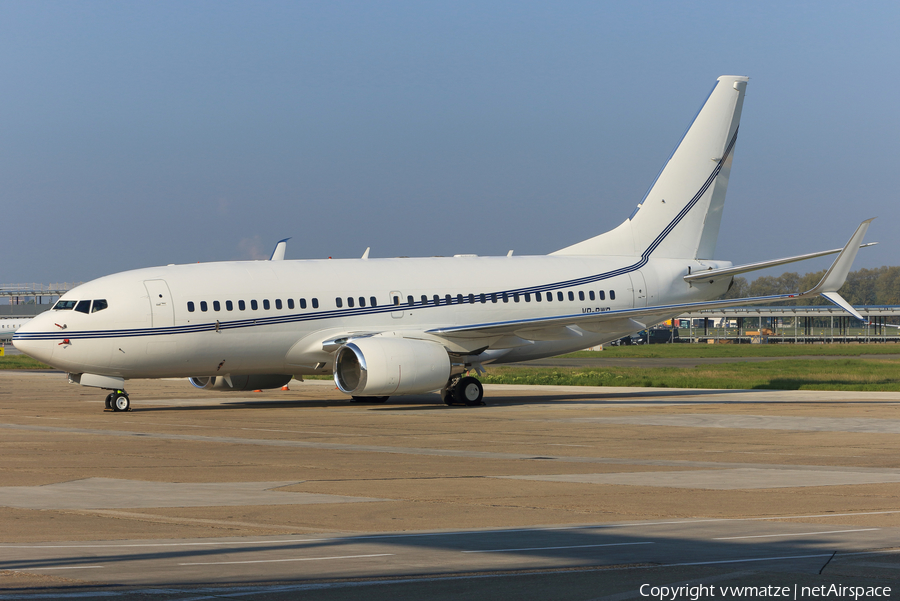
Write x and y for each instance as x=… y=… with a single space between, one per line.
x=320 y=315
x=625 y=312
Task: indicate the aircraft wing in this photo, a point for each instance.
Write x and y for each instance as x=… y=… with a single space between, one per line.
x=630 y=319
x=711 y=275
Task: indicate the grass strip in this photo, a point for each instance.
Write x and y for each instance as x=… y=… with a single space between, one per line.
x=21 y=362
x=699 y=351
x=792 y=374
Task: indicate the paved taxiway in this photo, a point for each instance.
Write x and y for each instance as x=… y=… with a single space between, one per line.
x=548 y=492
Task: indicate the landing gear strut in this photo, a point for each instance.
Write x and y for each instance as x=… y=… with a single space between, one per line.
x=466 y=391
x=118 y=401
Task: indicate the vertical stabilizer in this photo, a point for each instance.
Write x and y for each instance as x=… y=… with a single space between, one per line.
x=679 y=216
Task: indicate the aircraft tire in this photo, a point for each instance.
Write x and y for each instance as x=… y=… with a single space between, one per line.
x=447 y=395
x=469 y=392
x=108 y=404
x=120 y=401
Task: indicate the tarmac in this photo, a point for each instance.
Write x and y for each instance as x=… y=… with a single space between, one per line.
x=546 y=492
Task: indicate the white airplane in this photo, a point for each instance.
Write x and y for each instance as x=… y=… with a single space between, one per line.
x=386 y=327
x=9 y=325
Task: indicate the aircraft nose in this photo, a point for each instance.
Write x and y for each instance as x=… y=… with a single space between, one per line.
x=25 y=340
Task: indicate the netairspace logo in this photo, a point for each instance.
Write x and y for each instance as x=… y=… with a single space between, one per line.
x=701 y=591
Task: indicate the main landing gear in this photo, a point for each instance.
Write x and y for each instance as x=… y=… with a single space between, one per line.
x=118 y=401
x=466 y=391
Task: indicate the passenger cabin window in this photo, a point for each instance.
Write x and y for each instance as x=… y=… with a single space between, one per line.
x=362 y=301
x=602 y=295
x=591 y=294
x=472 y=299
x=572 y=295
x=581 y=295
x=515 y=297
x=266 y=304
x=612 y=295
x=302 y=303
x=410 y=300
x=538 y=297
x=559 y=296
x=277 y=303
x=339 y=302
x=527 y=297
x=203 y=306
x=424 y=299
x=229 y=306
x=459 y=299
x=350 y=301
x=437 y=299
x=254 y=305
x=483 y=298
x=290 y=303
x=396 y=301
x=242 y=305
x=373 y=302
x=315 y=303
x=99 y=305
x=549 y=296
x=190 y=306
x=64 y=305
x=217 y=306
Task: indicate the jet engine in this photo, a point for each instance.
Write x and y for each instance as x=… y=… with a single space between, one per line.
x=254 y=382
x=386 y=366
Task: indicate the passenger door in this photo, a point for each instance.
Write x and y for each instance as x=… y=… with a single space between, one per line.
x=639 y=289
x=161 y=308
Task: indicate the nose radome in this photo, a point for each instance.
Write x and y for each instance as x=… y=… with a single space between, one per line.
x=37 y=349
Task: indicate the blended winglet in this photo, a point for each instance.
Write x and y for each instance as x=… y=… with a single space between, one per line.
x=836 y=275
x=278 y=253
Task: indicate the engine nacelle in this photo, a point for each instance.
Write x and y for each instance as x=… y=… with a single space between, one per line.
x=254 y=382
x=387 y=366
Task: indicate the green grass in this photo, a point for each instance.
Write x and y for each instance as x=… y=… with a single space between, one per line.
x=21 y=362
x=790 y=374
x=698 y=351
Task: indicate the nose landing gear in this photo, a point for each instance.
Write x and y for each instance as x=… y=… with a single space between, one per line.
x=118 y=401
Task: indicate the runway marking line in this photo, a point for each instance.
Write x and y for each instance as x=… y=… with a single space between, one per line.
x=221 y=563
x=551 y=548
x=794 y=534
x=57 y=568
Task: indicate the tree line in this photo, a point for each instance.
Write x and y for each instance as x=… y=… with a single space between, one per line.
x=878 y=286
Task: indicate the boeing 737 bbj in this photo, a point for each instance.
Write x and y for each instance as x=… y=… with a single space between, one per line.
x=387 y=327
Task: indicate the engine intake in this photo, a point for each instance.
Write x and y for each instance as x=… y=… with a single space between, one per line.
x=254 y=382
x=387 y=366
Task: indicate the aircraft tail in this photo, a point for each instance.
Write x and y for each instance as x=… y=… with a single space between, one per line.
x=680 y=214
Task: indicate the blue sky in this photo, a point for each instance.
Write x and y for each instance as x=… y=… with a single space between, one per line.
x=146 y=133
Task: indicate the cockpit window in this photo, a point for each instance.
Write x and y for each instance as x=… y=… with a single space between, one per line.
x=83 y=306
x=64 y=305
x=99 y=305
